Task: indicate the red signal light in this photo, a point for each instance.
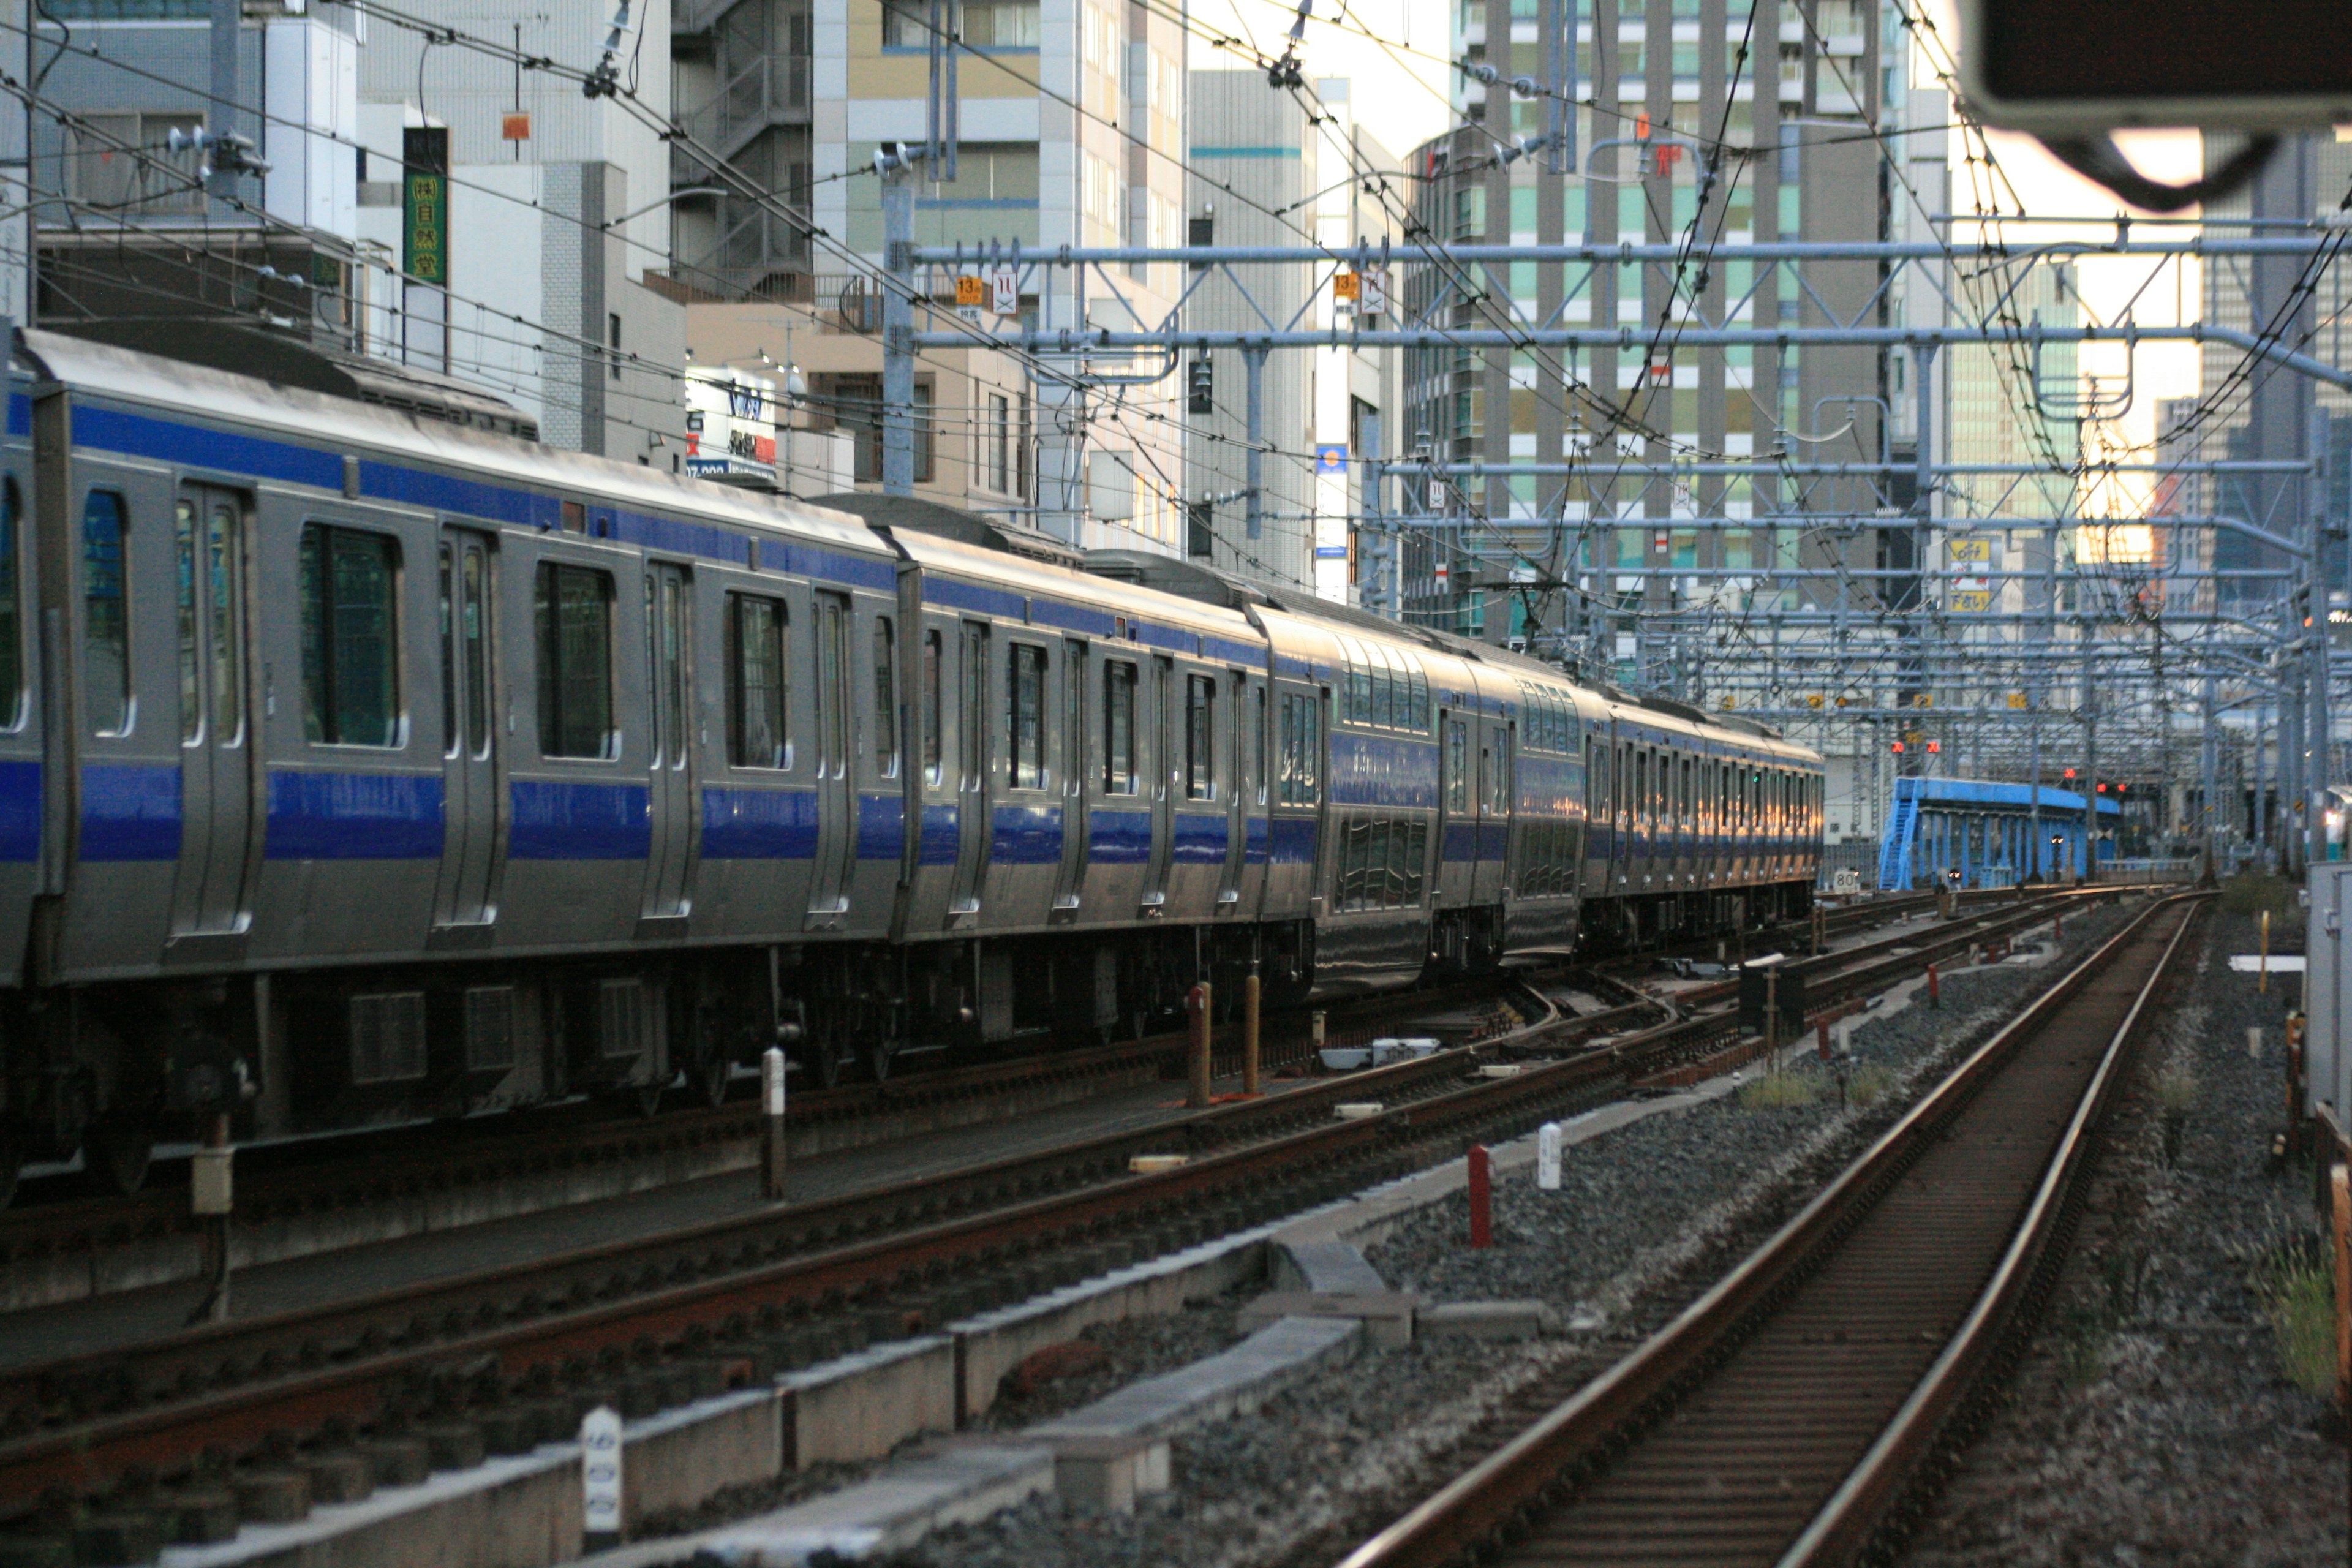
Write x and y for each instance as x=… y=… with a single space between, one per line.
x=1898 y=748
x=1935 y=745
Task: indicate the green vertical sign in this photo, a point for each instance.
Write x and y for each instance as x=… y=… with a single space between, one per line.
x=425 y=230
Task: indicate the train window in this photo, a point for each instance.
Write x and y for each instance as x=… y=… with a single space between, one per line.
x=756 y=672
x=1301 y=748
x=1257 y=745
x=971 y=706
x=1118 y=728
x=1358 y=709
x=1200 y=737
x=574 y=611
x=106 y=615
x=1408 y=859
x=350 y=660
x=1457 y=766
x=933 y=655
x=184 y=578
x=1025 y=690
x=12 y=614
x=886 y=700
x=1418 y=685
x=1689 y=801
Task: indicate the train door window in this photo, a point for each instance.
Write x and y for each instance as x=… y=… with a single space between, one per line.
x=1200 y=737
x=1118 y=727
x=1257 y=724
x=106 y=614
x=1026 y=685
x=1074 y=716
x=184 y=578
x=224 y=644
x=756 y=690
x=474 y=645
x=1689 y=798
x=835 y=739
x=1501 y=790
x=971 y=706
x=348 y=581
x=934 y=655
x=886 y=700
x=574 y=611
x=11 y=613
x=1300 y=747
x=1457 y=766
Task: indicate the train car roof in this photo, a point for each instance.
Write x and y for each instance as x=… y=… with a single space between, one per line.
x=313 y=419
x=1076 y=601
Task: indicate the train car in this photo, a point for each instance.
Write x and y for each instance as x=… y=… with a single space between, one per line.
x=363 y=767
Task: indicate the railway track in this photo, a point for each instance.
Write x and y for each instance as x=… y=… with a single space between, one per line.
x=1782 y=1418
x=647 y=1323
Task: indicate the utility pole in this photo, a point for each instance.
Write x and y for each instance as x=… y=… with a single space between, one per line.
x=220 y=185
x=16 y=230
x=2321 y=737
x=896 y=165
x=1253 y=508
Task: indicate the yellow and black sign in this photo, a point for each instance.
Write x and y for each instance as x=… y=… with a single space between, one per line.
x=973 y=292
x=1970 y=601
x=1347 y=286
x=2017 y=699
x=1969 y=549
x=424 y=227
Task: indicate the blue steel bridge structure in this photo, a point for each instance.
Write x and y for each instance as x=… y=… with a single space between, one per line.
x=1995 y=834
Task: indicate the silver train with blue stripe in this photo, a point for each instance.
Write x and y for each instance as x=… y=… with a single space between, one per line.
x=364 y=767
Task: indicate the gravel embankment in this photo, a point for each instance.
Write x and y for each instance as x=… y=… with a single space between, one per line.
x=2150 y=1421
x=1647 y=1218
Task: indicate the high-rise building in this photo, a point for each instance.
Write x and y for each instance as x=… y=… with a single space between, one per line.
x=1693 y=119
x=1291 y=170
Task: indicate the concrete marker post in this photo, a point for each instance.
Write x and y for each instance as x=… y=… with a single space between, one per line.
x=1250 y=989
x=1547 y=1157
x=1482 y=1198
x=771 y=1125
x=1196 y=1086
x=599 y=1480
x=2254 y=1042
x=212 y=1198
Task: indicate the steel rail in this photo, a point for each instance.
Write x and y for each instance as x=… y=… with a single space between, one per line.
x=1498 y=1502
x=295 y=1371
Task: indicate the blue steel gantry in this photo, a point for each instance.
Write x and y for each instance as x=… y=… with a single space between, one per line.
x=1996 y=835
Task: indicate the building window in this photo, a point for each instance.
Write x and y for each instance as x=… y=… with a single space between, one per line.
x=1000 y=439
x=1118 y=728
x=574 y=612
x=756 y=723
x=119 y=164
x=105 y=614
x=350 y=646
x=1025 y=691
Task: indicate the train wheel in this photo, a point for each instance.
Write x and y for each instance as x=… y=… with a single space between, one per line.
x=118 y=1154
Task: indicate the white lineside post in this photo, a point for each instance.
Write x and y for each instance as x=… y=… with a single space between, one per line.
x=600 y=1479
x=1547 y=1157
x=212 y=1198
x=771 y=1124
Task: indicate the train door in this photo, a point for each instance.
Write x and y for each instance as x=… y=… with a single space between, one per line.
x=1497 y=798
x=469 y=741
x=834 y=715
x=209 y=536
x=974 y=827
x=1458 y=802
x=1159 y=768
x=1070 y=884
x=669 y=709
x=1237 y=784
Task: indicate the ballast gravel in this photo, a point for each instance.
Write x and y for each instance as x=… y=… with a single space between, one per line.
x=1647 y=1218
x=2150 y=1421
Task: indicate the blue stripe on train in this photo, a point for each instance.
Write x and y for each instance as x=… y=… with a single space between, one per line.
x=129 y=811
x=1119 y=838
x=566 y=820
x=1200 y=840
x=942 y=835
x=759 y=823
x=1292 y=841
x=881 y=827
x=353 y=817
x=1026 y=836
x=20 y=811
